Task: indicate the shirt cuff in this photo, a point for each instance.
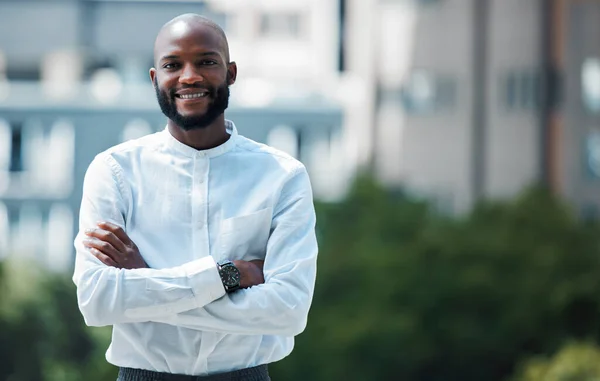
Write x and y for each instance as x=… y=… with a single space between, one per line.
x=205 y=280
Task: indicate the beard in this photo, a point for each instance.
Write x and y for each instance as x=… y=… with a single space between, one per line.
x=220 y=102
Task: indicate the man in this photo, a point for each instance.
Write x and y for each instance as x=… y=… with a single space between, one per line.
x=196 y=244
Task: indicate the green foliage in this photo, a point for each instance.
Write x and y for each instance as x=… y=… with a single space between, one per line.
x=575 y=362
x=403 y=293
x=42 y=334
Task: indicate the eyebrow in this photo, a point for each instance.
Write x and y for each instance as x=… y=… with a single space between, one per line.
x=203 y=54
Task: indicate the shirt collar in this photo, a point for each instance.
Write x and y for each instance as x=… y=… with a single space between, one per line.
x=211 y=152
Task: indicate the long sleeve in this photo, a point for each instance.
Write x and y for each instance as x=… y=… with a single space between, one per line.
x=107 y=295
x=280 y=306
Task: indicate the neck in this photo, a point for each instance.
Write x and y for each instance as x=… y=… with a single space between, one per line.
x=211 y=136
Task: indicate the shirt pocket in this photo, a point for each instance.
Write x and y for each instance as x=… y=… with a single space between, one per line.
x=245 y=237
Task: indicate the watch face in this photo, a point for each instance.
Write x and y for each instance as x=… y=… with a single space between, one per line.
x=230 y=275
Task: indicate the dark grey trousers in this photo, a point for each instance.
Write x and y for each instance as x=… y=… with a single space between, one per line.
x=257 y=373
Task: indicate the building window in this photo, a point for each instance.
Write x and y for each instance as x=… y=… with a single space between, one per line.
x=424 y=92
x=22 y=73
x=59 y=237
x=522 y=90
x=5 y=146
x=415 y=2
x=135 y=129
x=592 y=155
x=342 y=36
x=16 y=148
x=286 y=139
x=281 y=25
x=590 y=84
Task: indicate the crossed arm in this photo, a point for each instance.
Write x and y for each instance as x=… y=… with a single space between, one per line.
x=112 y=246
x=115 y=286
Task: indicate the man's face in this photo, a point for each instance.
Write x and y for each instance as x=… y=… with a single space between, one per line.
x=192 y=75
x=217 y=100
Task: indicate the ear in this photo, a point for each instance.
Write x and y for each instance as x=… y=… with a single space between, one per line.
x=152 y=75
x=231 y=73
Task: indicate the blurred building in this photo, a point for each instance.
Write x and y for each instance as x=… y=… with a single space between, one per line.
x=479 y=98
x=456 y=100
x=74 y=81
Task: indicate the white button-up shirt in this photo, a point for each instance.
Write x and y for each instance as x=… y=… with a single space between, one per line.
x=186 y=210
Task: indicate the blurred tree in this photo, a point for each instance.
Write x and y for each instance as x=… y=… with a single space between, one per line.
x=42 y=334
x=574 y=362
x=403 y=293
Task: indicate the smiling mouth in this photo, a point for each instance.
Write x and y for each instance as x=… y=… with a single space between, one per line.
x=192 y=96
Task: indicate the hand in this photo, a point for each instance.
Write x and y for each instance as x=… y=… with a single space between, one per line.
x=113 y=247
x=251 y=272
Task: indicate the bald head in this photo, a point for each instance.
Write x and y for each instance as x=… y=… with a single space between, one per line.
x=186 y=24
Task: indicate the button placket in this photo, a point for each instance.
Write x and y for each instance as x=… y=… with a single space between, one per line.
x=200 y=202
x=201 y=237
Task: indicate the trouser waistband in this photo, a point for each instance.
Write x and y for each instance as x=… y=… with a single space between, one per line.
x=257 y=373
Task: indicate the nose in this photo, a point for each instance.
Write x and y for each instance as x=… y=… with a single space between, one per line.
x=189 y=75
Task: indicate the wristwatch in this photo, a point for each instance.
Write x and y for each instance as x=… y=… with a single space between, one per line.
x=230 y=275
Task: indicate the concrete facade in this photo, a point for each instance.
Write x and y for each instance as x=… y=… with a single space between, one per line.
x=435 y=133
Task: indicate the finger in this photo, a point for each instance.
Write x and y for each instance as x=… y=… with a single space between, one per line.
x=104 y=258
x=103 y=246
x=118 y=231
x=107 y=236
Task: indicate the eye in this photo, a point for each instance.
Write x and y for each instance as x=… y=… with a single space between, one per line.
x=208 y=62
x=170 y=65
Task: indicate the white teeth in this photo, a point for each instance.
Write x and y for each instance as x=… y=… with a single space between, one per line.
x=192 y=96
